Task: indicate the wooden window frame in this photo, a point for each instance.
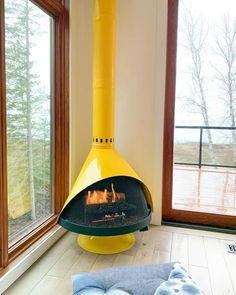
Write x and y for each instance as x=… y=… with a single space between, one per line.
x=168 y=213
x=169 y=109
x=59 y=11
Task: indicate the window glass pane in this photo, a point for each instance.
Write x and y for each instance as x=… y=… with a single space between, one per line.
x=28 y=86
x=205 y=110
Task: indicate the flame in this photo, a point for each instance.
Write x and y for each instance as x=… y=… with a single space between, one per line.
x=104 y=197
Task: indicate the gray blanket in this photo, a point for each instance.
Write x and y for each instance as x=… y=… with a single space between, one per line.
x=134 y=280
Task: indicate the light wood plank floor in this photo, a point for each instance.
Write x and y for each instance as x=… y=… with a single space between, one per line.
x=202 y=252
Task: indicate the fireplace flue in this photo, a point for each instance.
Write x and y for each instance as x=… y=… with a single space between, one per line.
x=108 y=201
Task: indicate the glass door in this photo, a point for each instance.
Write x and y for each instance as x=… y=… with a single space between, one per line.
x=200 y=113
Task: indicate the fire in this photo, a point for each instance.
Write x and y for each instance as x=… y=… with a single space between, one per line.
x=104 y=197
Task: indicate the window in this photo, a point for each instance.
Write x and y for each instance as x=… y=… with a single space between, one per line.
x=199 y=138
x=34 y=120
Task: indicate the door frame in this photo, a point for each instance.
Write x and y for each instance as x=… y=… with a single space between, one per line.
x=168 y=213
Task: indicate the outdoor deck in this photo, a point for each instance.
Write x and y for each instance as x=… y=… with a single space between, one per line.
x=205 y=190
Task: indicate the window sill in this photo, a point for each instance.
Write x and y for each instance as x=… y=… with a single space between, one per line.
x=26 y=259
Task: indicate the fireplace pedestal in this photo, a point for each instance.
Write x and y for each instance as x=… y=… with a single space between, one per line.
x=106 y=245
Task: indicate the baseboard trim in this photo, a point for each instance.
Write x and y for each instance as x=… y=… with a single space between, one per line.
x=25 y=260
x=200 y=227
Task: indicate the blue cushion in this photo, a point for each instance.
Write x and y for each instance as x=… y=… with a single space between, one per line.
x=179 y=282
x=123 y=280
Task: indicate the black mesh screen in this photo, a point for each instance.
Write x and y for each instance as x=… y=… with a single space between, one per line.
x=110 y=203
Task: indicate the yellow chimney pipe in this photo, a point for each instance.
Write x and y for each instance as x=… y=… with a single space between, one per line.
x=104 y=42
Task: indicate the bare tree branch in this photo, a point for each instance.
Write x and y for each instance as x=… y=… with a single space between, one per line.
x=196 y=32
x=226 y=51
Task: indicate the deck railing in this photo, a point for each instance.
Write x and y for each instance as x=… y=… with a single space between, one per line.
x=201 y=128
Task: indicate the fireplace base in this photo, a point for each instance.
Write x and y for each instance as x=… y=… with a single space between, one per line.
x=106 y=245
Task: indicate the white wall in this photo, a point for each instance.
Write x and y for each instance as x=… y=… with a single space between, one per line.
x=141 y=47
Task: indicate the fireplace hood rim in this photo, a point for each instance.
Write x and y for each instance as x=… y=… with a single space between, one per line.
x=106 y=231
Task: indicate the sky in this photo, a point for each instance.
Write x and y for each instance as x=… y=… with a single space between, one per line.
x=211 y=12
x=40 y=52
x=213 y=9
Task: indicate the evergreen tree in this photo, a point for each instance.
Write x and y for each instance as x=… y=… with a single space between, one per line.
x=28 y=112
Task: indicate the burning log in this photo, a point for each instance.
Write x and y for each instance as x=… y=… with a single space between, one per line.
x=104 y=197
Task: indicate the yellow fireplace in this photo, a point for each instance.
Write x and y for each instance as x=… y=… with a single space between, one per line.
x=108 y=201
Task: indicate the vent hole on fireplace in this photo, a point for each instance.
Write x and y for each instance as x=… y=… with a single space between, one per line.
x=103 y=140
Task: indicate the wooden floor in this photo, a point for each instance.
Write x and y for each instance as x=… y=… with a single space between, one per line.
x=203 y=253
x=205 y=190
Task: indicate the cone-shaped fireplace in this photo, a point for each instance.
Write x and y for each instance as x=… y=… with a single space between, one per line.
x=108 y=200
